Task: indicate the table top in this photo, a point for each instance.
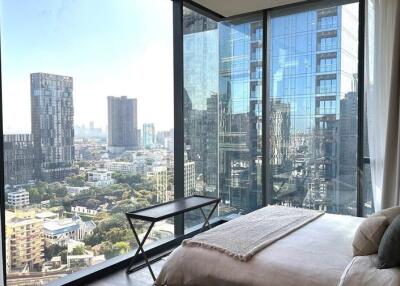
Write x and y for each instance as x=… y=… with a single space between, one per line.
x=172 y=208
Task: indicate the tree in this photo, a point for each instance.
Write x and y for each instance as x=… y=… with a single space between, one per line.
x=121 y=247
x=92 y=204
x=111 y=250
x=130 y=179
x=35 y=196
x=79 y=250
x=76 y=181
x=63 y=255
x=52 y=251
x=116 y=234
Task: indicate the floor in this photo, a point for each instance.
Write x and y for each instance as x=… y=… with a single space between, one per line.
x=141 y=277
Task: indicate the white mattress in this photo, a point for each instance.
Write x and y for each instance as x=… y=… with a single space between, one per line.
x=316 y=254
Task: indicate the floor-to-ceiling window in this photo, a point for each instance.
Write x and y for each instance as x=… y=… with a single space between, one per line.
x=222 y=110
x=313 y=106
x=93 y=135
x=200 y=57
x=240 y=107
x=87 y=92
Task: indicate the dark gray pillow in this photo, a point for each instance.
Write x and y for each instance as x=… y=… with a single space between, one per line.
x=389 y=248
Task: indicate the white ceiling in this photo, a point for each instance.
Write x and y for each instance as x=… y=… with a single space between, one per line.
x=235 y=7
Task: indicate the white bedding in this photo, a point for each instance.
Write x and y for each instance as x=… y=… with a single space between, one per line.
x=362 y=271
x=315 y=255
x=242 y=239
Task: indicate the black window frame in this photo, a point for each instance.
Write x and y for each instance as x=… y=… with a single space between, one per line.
x=266 y=188
x=90 y=274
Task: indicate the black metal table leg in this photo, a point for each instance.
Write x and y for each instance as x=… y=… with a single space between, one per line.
x=207 y=219
x=140 y=249
x=161 y=212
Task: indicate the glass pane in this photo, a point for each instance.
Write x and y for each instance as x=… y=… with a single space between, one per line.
x=368 y=197
x=240 y=105
x=200 y=44
x=223 y=111
x=312 y=115
x=88 y=135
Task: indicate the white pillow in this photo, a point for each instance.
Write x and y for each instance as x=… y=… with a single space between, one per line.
x=368 y=235
x=362 y=271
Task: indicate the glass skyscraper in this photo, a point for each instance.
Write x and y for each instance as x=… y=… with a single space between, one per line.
x=52 y=122
x=222 y=80
x=122 y=124
x=240 y=119
x=18 y=159
x=201 y=99
x=311 y=107
x=312 y=82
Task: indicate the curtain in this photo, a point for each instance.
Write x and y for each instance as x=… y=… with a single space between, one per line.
x=382 y=91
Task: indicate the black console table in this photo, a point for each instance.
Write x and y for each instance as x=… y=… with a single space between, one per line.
x=163 y=211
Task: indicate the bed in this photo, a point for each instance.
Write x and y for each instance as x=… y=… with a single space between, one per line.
x=315 y=254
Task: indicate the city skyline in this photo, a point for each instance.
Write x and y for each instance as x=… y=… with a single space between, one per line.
x=91 y=124
x=100 y=57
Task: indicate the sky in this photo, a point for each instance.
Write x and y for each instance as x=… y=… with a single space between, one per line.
x=109 y=47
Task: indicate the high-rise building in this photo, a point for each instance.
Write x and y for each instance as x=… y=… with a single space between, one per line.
x=161 y=136
x=279 y=135
x=122 y=124
x=52 y=113
x=18 y=159
x=312 y=56
x=347 y=167
x=149 y=135
x=139 y=139
x=240 y=106
x=312 y=60
x=201 y=99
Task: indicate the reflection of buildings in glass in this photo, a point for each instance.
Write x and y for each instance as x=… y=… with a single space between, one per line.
x=122 y=124
x=279 y=122
x=18 y=158
x=347 y=188
x=240 y=81
x=189 y=178
x=367 y=180
x=52 y=122
x=313 y=57
x=200 y=99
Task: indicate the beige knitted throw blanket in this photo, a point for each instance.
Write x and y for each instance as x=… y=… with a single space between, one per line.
x=243 y=237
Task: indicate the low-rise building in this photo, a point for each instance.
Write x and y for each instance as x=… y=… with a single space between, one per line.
x=83 y=210
x=61 y=231
x=84 y=260
x=25 y=242
x=18 y=198
x=123 y=167
x=72 y=244
x=46 y=216
x=99 y=178
x=76 y=190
